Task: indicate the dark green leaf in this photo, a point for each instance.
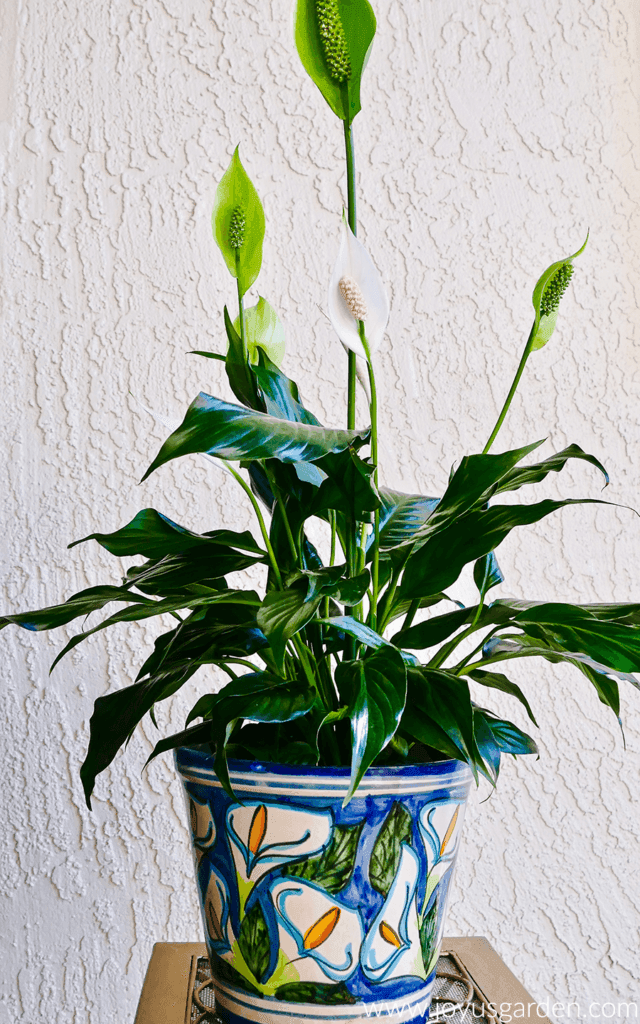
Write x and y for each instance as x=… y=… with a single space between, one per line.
x=499 y=682
x=487 y=744
x=437 y=564
x=433 y=631
x=510 y=739
x=207 y=355
x=332 y=869
x=487 y=573
x=572 y=628
x=521 y=475
x=396 y=829
x=236 y=192
x=315 y=992
x=233 y=432
x=282 y=614
x=153 y=535
x=82 y=603
x=401 y=516
x=237 y=366
x=253 y=942
x=138 y=612
x=280 y=394
x=375 y=690
x=359 y=24
x=349 y=487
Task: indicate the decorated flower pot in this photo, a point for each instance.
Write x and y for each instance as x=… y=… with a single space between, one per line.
x=314 y=911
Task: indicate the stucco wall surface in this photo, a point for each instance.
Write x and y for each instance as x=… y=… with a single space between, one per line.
x=492 y=136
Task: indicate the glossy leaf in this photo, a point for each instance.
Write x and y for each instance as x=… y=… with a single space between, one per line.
x=349 y=487
x=521 y=475
x=153 y=535
x=263 y=330
x=279 y=393
x=233 y=432
x=509 y=738
x=437 y=564
x=138 y=612
x=497 y=681
x=607 y=643
x=487 y=574
x=82 y=603
x=375 y=690
x=282 y=614
x=239 y=372
x=544 y=326
x=236 y=192
x=401 y=516
x=359 y=24
x=445 y=700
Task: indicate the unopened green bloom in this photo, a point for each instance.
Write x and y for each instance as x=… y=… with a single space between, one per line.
x=236 y=228
x=555 y=289
x=334 y=43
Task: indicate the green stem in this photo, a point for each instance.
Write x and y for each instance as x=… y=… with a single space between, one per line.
x=512 y=391
x=243 y=327
x=351 y=381
x=263 y=529
x=411 y=614
x=285 y=519
x=373 y=409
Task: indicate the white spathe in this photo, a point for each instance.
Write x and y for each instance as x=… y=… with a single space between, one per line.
x=264 y=836
x=319 y=933
x=392 y=947
x=354 y=262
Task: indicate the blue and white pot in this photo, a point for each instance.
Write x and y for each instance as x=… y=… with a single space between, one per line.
x=317 y=912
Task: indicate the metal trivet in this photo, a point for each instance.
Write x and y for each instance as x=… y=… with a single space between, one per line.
x=456 y=997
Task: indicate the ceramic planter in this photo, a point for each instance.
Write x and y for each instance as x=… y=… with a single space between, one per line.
x=313 y=911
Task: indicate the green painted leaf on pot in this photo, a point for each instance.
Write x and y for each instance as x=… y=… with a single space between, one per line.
x=333 y=868
x=238 y=223
x=223 y=969
x=153 y=535
x=348 y=54
x=429 y=934
x=264 y=330
x=232 y=432
x=396 y=829
x=254 y=943
x=546 y=294
x=375 y=690
x=317 y=992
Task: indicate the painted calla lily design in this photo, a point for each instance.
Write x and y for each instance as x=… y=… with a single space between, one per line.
x=440 y=827
x=264 y=836
x=356 y=292
x=318 y=933
x=216 y=914
x=203 y=827
x=392 y=947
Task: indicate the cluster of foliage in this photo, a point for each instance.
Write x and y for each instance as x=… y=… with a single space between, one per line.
x=331 y=674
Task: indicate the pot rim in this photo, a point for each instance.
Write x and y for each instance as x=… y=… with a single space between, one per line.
x=262 y=766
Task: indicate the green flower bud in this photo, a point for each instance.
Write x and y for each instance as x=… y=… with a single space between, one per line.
x=555 y=289
x=236 y=228
x=334 y=43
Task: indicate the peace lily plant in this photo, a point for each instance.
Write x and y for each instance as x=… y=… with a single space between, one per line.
x=332 y=664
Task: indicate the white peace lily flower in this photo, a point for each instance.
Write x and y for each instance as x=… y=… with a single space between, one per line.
x=216 y=914
x=440 y=827
x=321 y=935
x=264 y=836
x=392 y=947
x=356 y=292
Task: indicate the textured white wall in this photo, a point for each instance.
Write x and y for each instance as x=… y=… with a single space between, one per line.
x=492 y=136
